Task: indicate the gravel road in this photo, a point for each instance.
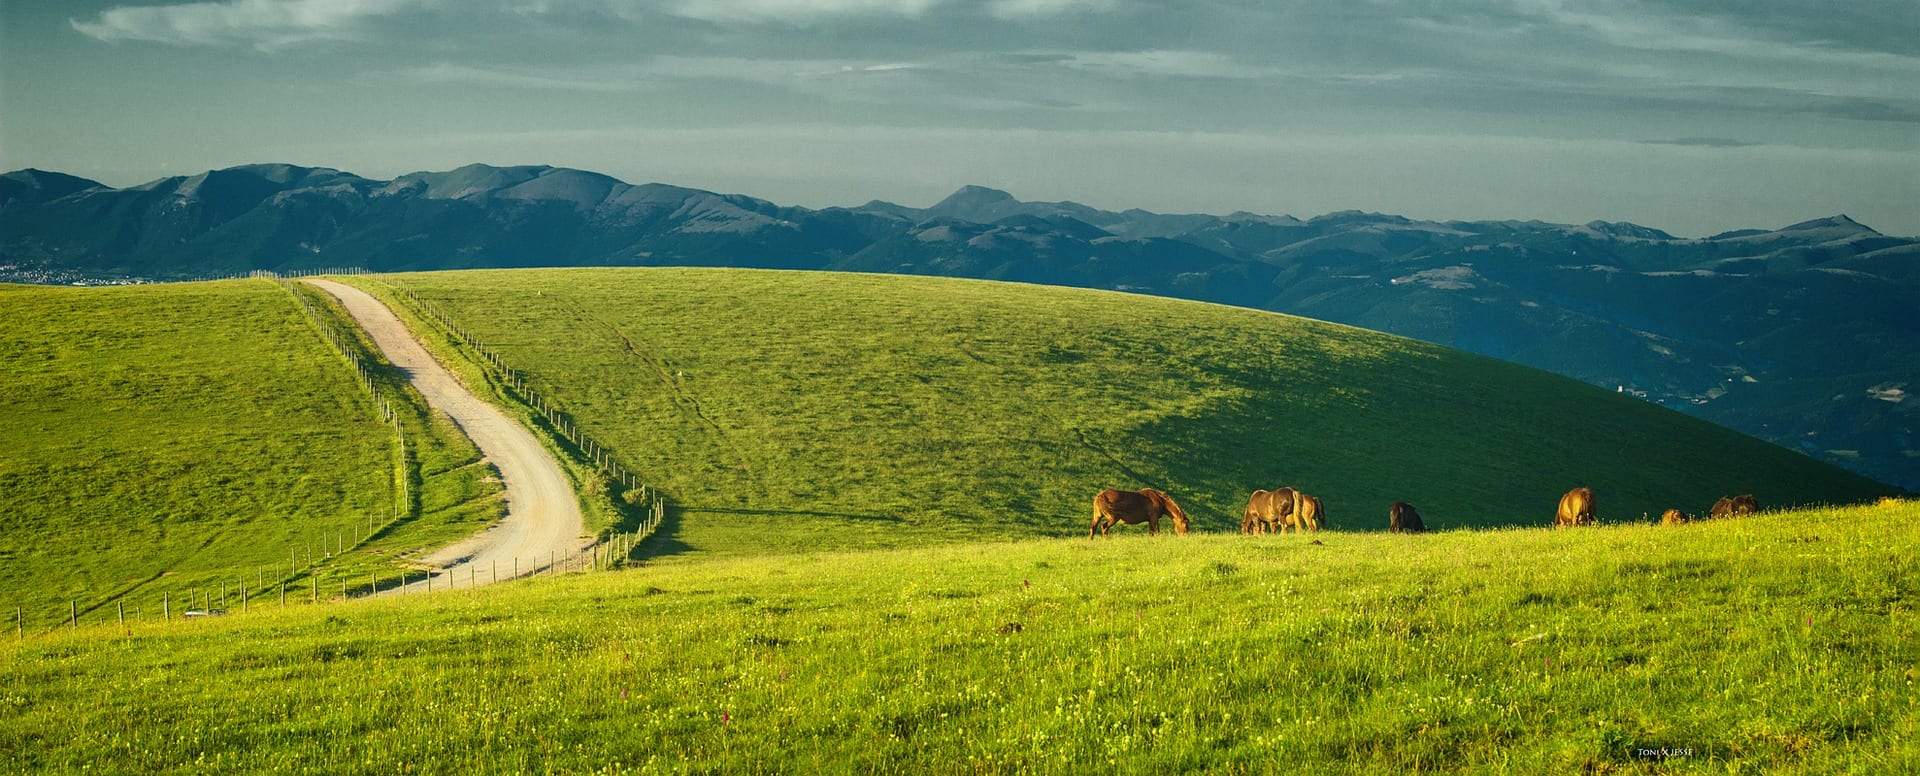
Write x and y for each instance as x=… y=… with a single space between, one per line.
x=543 y=518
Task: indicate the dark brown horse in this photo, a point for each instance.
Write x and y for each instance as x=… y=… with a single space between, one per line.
x=1268 y=511
x=1403 y=518
x=1576 y=508
x=1145 y=505
x=1734 y=507
x=1254 y=517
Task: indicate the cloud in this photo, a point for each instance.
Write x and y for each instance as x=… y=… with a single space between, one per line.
x=579 y=81
x=1180 y=64
x=262 y=23
x=1023 y=9
x=796 y=11
x=1640 y=26
x=1704 y=142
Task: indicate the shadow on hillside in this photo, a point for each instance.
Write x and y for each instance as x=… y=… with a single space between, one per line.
x=664 y=540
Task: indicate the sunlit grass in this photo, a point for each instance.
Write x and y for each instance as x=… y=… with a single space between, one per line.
x=166 y=440
x=1779 y=643
x=791 y=411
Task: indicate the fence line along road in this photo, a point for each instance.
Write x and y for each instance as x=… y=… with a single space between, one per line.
x=543 y=519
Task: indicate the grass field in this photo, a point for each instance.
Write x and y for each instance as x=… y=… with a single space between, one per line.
x=876 y=560
x=802 y=411
x=174 y=438
x=1782 y=643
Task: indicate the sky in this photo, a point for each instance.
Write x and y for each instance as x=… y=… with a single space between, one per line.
x=1693 y=117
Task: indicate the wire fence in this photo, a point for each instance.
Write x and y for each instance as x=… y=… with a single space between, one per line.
x=318 y=570
x=316 y=579
x=514 y=381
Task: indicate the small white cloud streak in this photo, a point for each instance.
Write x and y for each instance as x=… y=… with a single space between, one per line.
x=1176 y=63
x=1028 y=9
x=262 y=23
x=601 y=81
x=796 y=11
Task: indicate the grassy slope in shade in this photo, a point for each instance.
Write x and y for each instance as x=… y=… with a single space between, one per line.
x=1783 y=643
x=197 y=431
x=804 y=410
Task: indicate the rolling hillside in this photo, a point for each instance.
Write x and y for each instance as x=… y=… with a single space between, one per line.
x=868 y=473
x=1802 y=334
x=786 y=411
x=162 y=439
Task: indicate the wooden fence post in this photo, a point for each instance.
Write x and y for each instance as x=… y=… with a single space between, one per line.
x=121 y=607
x=73 y=614
x=166 y=606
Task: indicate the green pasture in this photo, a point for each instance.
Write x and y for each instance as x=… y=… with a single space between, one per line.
x=171 y=439
x=786 y=411
x=1780 y=643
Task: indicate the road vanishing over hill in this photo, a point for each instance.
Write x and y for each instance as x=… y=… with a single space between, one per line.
x=543 y=518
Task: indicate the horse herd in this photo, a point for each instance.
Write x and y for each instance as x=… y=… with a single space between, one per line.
x=1278 y=510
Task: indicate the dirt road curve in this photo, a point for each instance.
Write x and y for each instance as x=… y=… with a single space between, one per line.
x=543 y=518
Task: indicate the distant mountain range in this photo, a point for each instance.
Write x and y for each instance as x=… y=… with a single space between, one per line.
x=1808 y=336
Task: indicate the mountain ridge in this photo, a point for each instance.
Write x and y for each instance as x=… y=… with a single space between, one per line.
x=1800 y=334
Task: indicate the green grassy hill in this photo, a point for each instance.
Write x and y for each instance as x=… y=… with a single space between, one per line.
x=787 y=411
x=881 y=485
x=1782 y=643
x=165 y=439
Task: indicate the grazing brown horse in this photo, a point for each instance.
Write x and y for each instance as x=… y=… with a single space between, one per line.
x=1308 y=513
x=1257 y=505
x=1576 y=508
x=1734 y=507
x=1268 y=511
x=1673 y=517
x=1145 y=505
x=1403 y=518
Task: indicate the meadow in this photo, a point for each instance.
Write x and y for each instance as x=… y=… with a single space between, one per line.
x=165 y=442
x=1779 y=643
x=875 y=560
x=788 y=411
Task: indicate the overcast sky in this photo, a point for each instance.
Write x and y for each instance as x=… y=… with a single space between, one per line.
x=1693 y=117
